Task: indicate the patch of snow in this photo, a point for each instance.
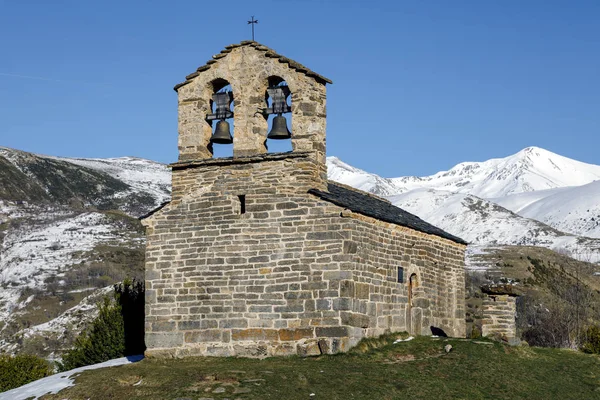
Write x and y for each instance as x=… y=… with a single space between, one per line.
x=142 y=175
x=408 y=339
x=57 y=382
x=84 y=311
x=44 y=242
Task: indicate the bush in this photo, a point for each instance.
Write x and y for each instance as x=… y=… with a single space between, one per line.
x=117 y=331
x=591 y=342
x=104 y=341
x=22 y=369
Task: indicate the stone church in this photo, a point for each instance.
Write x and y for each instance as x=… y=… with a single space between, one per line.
x=259 y=254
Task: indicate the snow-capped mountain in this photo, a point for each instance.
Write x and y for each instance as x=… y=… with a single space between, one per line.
x=339 y=171
x=530 y=170
x=512 y=200
x=574 y=210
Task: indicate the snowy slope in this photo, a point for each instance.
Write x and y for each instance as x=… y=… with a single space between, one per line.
x=132 y=185
x=61 y=240
x=576 y=209
x=140 y=174
x=339 y=171
x=481 y=222
x=518 y=201
x=46 y=253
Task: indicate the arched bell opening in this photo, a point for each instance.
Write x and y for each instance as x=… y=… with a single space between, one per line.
x=279 y=117
x=221 y=119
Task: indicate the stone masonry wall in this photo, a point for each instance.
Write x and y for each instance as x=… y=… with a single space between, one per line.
x=499 y=313
x=292 y=274
x=375 y=293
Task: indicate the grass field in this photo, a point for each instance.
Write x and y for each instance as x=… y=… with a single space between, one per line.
x=377 y=369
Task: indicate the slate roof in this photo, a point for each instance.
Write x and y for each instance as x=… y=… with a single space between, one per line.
x=151 y=212
x=370 y=206
x=268 y=53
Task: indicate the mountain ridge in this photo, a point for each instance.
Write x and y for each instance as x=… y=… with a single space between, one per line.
x=514 y=182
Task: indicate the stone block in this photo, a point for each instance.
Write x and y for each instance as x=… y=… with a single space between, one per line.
x=342 y=304
x=284 y=349
x=323 y=304
x=354 y=319
x=163 y=326
x=308 y=348
x=253 y=350
x=207 y=335
x=188 y=325
x=362 y=291
x=337 y=275
x=295 y=334
x=254 y=334
x=347 y=288
x=163 y=339
x=331 y=331
x=233 y=323
x=326 y=235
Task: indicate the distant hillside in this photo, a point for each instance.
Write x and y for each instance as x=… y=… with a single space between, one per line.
x=557 y=292
x=68 y=230
x=52 y=180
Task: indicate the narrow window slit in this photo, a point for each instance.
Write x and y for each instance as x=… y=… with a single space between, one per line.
x=242 y=198
x=400 y=275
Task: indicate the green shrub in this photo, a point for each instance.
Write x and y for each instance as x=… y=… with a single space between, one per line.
x=117 y=331
x=591 y=343
x=104 y=341
x=19 y=370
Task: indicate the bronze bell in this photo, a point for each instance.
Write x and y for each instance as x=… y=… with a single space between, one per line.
x=222 y=133
x=279 y=129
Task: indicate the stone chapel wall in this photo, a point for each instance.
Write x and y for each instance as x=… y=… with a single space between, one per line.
x=291 y=274
x=379 y=303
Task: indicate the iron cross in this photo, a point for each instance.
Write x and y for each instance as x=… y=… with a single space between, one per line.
x=252 y=22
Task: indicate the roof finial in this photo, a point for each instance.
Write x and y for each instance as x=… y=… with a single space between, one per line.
x=252 y=22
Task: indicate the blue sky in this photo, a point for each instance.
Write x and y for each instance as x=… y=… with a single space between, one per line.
x=418 y=85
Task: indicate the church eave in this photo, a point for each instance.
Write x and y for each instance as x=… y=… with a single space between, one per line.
x=268 y=53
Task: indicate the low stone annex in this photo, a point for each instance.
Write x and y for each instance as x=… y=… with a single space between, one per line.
x=259 y=254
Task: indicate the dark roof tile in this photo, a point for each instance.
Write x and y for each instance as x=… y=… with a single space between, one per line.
x=368 y=205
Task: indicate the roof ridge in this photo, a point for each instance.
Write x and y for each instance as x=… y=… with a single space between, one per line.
x=359 y=202
x=258 y=46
